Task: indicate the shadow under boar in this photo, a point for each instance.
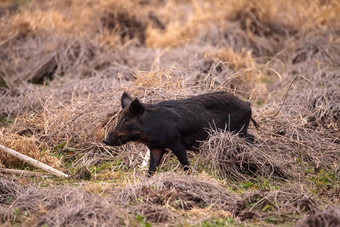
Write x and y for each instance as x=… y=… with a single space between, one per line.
x=179 y=125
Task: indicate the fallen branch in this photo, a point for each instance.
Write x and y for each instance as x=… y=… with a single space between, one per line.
x=24 y=172
x=33 y=162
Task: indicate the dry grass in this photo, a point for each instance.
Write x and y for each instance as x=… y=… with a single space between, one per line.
x=28 y=146
x=227 y=155
x=65 y=64
x=158 y=198
x=66 y=206
x=279 y=205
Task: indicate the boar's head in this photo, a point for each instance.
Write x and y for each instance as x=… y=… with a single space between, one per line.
x=129 y=127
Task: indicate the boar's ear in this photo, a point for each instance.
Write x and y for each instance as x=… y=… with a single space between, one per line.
x=136 y=107
x=126 y=99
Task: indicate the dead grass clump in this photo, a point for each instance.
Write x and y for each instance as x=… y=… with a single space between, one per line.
x=239 y=72
x=42 y=59
x=130 y=19
x=233 y=60
x=325 y=109
x=263 y=25
x=268 y=17
x=28 y=146
x=161 y=79
x=329 y=217
x=295 y=141
x=322 y=47
x=279 y=205
x=177 y=192
x=7 y=8
x=154 y=213
x=185 y=28
x=227 y=155
x=84 y=210
x=128 y=27
x=62 y=206
x=9 y=190
x=17 y=102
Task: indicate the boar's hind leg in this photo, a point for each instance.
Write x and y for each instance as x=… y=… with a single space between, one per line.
x=156 y=155
x=249 y=137
x=181 y=154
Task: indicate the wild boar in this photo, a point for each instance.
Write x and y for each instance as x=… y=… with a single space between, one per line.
x=179 y=125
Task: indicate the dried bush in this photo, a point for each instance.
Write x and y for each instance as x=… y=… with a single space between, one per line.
x=176 y=191
x=84 y=210
x=227 y=155
x=61 y=206
x=28 y=146
x=9 y=190
x=279 y=204
x=325 y=109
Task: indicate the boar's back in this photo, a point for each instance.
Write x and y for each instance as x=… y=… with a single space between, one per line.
x=215 y=110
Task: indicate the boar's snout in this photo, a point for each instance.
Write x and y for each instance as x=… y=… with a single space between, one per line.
x=107 y=142
x=110 y=140
x=113 y=140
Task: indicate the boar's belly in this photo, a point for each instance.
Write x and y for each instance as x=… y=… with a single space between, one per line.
x=192 y=141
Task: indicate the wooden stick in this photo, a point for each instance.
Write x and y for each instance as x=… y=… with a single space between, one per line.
x=33 y=162
x=24 y=172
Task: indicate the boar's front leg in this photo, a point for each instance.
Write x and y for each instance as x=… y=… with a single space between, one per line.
x=156 y=155
x=181 y=154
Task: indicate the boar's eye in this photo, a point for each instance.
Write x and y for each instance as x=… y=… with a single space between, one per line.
x=125 y=120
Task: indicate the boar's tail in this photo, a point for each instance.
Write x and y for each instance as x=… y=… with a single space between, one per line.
x=255 y=123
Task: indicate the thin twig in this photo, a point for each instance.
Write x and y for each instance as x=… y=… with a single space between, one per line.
x=284 y=100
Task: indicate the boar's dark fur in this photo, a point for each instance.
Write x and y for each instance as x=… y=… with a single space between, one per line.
x=179 y=125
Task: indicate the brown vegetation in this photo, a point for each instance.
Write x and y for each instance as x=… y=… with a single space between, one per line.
x=62 y=206
x=65 y=64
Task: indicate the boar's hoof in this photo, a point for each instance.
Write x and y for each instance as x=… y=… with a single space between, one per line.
x=187 y=169
x=149 y=174
x=249 y=138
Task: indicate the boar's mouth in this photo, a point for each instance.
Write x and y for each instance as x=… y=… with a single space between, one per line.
x=119 y=140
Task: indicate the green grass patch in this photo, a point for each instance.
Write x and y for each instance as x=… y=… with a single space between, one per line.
x=5 y=121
